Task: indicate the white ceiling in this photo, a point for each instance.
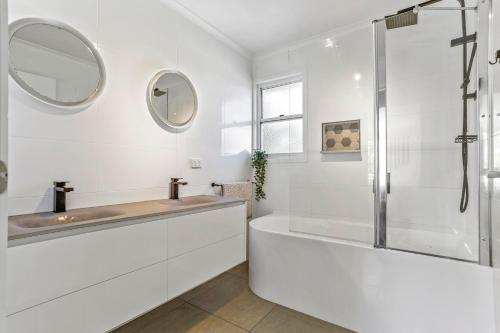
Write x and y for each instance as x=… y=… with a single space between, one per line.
x=260 y=25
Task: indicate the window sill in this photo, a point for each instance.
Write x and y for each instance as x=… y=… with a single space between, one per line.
x=287 y=158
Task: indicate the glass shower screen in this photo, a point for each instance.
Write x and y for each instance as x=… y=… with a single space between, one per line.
x=429 y=201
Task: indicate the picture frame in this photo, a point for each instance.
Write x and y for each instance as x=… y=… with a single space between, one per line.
x=341 y=137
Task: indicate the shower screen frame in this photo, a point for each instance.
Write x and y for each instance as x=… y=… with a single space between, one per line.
x=381 y=185
x=380 y=137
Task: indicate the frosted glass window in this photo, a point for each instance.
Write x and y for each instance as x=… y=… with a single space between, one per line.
x=284 y=100
x=283 y=137
x=236 y=139
x=281 y=117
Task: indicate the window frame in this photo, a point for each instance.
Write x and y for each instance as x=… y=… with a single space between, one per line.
x=260 y=120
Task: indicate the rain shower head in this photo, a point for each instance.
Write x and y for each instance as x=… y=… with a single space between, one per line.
x=403 y=18
x=158 y=93
x=406 y=17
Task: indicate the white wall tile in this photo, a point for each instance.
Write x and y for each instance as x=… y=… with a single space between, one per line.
x=275 y=64
x=424 y=118
x=114 y=152
x=30 y=118
x=82 y=15
x=36 y=163
x=326 y=185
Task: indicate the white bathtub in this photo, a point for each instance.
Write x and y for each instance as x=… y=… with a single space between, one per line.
x=365 y=289
x=438 y=241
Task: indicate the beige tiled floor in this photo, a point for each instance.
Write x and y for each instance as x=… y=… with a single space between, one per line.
x=226 y=305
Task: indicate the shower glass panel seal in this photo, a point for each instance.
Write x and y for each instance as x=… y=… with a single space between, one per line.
x=485 y=109
x=380 y=180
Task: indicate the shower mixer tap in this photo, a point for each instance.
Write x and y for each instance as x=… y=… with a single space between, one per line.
x=497 y=58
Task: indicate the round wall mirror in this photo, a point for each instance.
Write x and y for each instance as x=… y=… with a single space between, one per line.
x=55 y=63
x=172 y=100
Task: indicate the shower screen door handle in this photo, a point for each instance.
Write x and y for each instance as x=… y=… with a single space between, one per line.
x=494 y=174
x=4 y=177
x=388 y=186
x=388 y=183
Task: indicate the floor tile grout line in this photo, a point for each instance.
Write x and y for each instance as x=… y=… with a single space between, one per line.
x=225 y=320
x=264 y=317
x=216 y=316
x=130 y=322
x=207 y=289
x=237 y=275
x=188 y=302
x=211 y=287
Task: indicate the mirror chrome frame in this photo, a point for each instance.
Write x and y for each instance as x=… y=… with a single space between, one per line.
x=164 y=123
x=19 y=24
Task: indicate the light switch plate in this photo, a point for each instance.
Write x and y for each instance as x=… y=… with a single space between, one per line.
x=196 y=163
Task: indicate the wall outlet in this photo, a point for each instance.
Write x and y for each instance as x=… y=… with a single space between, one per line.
x=195 y=163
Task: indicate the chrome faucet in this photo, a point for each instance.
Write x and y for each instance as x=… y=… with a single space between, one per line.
x=60 y=190
x=174 y=188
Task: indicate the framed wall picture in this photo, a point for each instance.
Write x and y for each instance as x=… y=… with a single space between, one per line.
x=341 y=137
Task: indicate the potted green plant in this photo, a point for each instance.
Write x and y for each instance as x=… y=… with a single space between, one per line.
x=259 y=164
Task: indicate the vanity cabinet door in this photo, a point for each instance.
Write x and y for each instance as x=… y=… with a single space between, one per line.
x=190 y=232
x=204 y=245
x=115 y=302
x=99 y=308
x=196 y=267
x=43 y=271
x=97 y=281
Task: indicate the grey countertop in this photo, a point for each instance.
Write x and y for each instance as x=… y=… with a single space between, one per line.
x=41 y=226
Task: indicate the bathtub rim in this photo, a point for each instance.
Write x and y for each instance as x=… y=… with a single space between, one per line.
x=254 y=225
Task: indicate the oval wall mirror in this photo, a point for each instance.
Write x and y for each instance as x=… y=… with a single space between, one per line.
x=172 y=100
x=55 y=63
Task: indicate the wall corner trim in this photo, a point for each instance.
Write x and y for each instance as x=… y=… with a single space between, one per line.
x=196 y=19
x=313 y=39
